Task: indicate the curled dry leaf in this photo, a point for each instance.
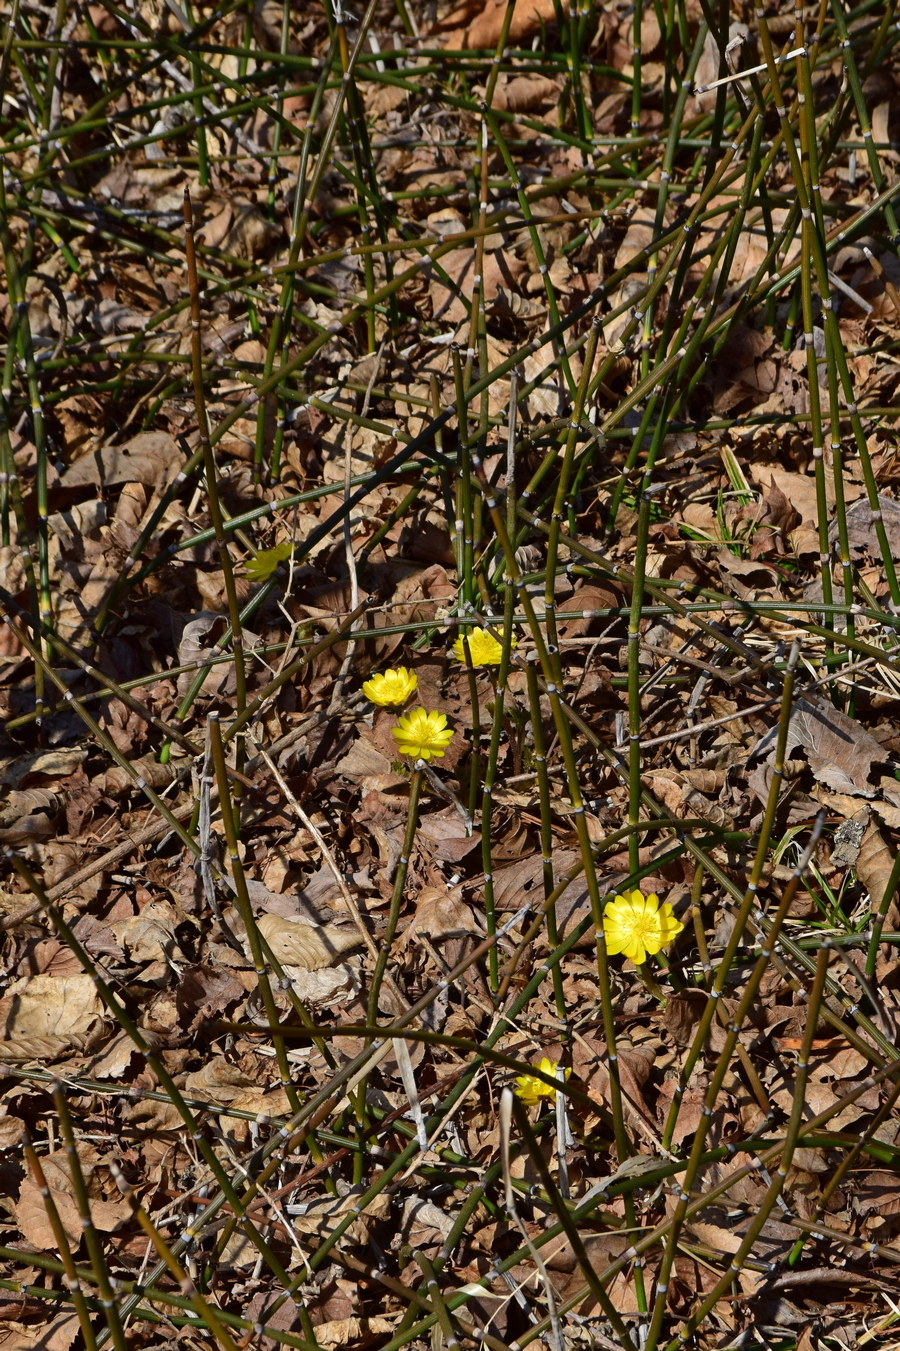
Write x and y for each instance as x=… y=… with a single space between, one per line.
x=475 y=24
x=330 y=985
x=150 y=936
x=197 y=645
x=840 y=752
x=524 y=92
x=31 y=1211
x=43 y=1016
x=873 y=868
x=220 y=1083
x=308 y=946
x=679 y=790
x=423 y=1224
x=12 y=1130
x=28 y=814
x=684 y=1010
x=207 y=990
x=149 y=457
x=861 y=526
x=774 y=517
x=439 y=914
x=354 y=1331
x=44 y=764
x=147 y=767
x=320 y=1217
x=635 y=1066
x=365 y=765
x=449 y=837
x=116 y=1056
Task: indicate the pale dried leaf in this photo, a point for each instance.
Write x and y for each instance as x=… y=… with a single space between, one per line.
x=877 y=1192
x=841 y=753
x=125 y=526
x=49 y=957
x=50 y=1006
x=50 y=764
x=450 y=838
x=329 y=986
x=354 y=1331
x=75 y=533
x=198 y=642
x=439 y=914
x=31 y=1212
x=861 y=532
x=635 y=1066
x=529 y=17
x=149 y=457
x=319 y=1217
x=13 y=572
x=550 y=393
x=523 y=92
x=28 y=1050
x=220 y=1082
x=637 y=238
x=841 y=1065
x=150 y=936
x=364 y=764
x=118 y=779
x=874 y=864
x=12 y=1130
x=28 y=814
x=888 y=807
x=308 y=946
x=57 y=1334
x=423 y=1224
x=116 y=1057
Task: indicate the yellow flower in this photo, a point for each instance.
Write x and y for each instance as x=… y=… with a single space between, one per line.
x=483 y=647
x=391 y=687
x=637 y=925
x=531 y=1089
x=424 y=735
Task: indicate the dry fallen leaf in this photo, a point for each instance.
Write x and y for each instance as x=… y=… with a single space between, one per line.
x=354 y=1331
x=861 y=533
x=149 y=457
x=318 y=1218
x=31 y=1210
x=841 y=753
x=150 y=935
x=476 y=24
x=43 y=1016
x=308 y=946
x=39 y=765
x=329 y=986
x=28 y=814
x=873 y=868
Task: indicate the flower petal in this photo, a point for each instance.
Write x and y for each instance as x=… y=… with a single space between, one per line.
x=422 y=734
x=637 y=926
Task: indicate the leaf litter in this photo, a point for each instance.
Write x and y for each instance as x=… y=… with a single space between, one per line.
x=356 y=1196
